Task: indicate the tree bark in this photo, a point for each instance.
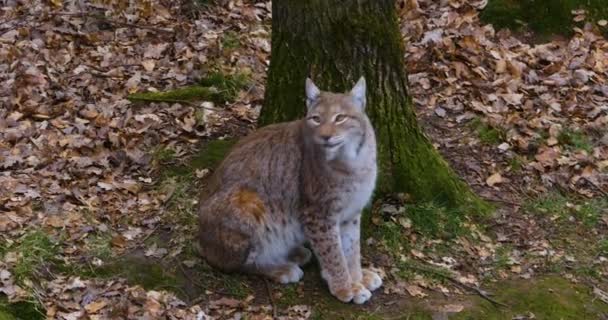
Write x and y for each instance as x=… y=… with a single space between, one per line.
x=335 y=42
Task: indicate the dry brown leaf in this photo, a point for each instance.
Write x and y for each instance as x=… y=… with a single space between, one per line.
x=119 y=241
x=94 y=307
x=494 y=179
x=600 y=294
x=453 y=308
x=415 y=291
x=547 y=156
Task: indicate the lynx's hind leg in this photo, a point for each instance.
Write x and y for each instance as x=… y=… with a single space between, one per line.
x=300 y=255
x=288 y=272
x=229 y=223
x=223 y=247
x=278 y=254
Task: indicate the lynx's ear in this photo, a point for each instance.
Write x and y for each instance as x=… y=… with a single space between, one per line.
x=312 y=93
x=358 y=93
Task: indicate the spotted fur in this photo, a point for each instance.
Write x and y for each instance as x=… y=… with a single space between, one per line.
x=293 y=183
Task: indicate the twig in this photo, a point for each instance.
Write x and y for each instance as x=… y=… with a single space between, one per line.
x=193 y=281
x=480 y=292
x=186 y=102
x=132 y=25
x=476 y=290
x=501 y=200
x=123 y=65
x=197 y=300
x=118 y=23
x=246 y=94
x=143 y=240
x=275 y=312
x=596 y=186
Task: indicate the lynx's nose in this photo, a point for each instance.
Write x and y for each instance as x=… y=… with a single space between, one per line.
x=325 y=137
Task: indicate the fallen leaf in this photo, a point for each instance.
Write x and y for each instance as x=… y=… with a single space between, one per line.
x=119 y=241
x=440 y=112
x=547 y=156
x=225 y=302
x=148 y=64
x=453 y=308
x=94 y=307
x=600 y=294
x=415 y=291
x=494 y=179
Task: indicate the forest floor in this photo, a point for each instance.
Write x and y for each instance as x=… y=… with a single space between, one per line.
x=98 y=192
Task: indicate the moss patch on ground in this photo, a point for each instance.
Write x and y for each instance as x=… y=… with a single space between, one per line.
x=575 y=140
x=216 y=87
x=549 y=298
x=545 y=17
x=564 y=208
x=487 y=134
x=188 y=93
x=208 y=158
x=155 y=277
x=4 y=315
x=23 y=310
x=34 y=250
x=36 y=254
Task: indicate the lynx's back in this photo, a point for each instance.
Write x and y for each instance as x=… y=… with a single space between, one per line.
x=269 y=161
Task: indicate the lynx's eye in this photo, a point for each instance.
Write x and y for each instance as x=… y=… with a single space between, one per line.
x=315 y=119
x=340 y=118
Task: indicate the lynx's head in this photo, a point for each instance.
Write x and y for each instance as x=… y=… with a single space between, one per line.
x=336 y=122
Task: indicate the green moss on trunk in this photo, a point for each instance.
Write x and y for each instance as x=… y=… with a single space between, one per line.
x=336 y=42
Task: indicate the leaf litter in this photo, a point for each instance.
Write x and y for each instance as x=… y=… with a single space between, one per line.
x=517 y=121
x=77 y=156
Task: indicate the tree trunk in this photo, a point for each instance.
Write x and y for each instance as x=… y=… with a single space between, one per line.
x=335 y=42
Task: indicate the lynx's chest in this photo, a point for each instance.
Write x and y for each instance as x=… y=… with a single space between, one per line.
x=358 y=193
x=359 y=186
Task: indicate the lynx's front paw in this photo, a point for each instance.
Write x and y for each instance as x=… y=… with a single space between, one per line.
x=356 y=293
x=371 y=280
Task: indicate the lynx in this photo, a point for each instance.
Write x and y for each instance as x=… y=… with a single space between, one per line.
x=295 y=183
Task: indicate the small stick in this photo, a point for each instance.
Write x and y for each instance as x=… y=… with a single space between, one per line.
x=275 y=312
x=105 y=19
x=246 y=94
x=186 y=102
x=132 y=25
x=596 y=186
x=480 y=292
x=501 y=200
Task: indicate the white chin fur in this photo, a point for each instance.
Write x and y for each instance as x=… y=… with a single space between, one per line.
x=332 y=148
x=331 y=153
